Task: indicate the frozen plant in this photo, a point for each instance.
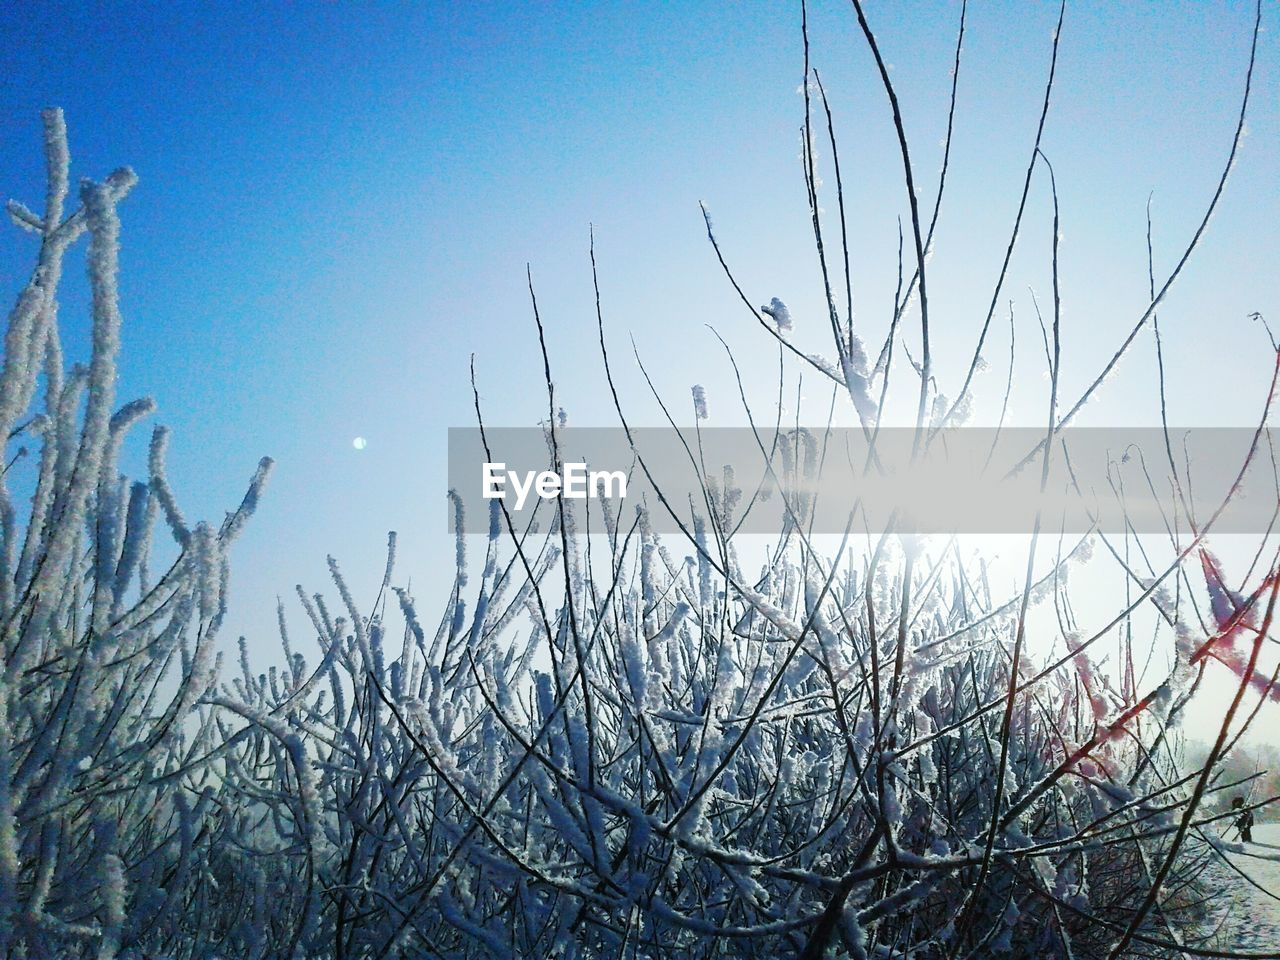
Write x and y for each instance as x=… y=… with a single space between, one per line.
x=609 y=744
x=106 y=789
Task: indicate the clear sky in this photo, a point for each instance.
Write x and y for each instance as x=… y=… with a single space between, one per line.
x=337 y=203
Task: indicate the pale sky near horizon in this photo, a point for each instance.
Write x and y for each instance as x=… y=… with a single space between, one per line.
x=337 y=203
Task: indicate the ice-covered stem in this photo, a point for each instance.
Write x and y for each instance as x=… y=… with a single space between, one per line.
x=57 y=166
x=235 y=521
x=24 y=342
x=9 y=863
x=161 y=489
x=110 y=523
x=29 y=321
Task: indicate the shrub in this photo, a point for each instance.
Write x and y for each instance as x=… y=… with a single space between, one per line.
x=608 y=753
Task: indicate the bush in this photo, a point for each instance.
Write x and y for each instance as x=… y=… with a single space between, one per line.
x=621 y=753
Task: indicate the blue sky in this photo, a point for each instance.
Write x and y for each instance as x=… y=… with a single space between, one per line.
x=337 y=203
